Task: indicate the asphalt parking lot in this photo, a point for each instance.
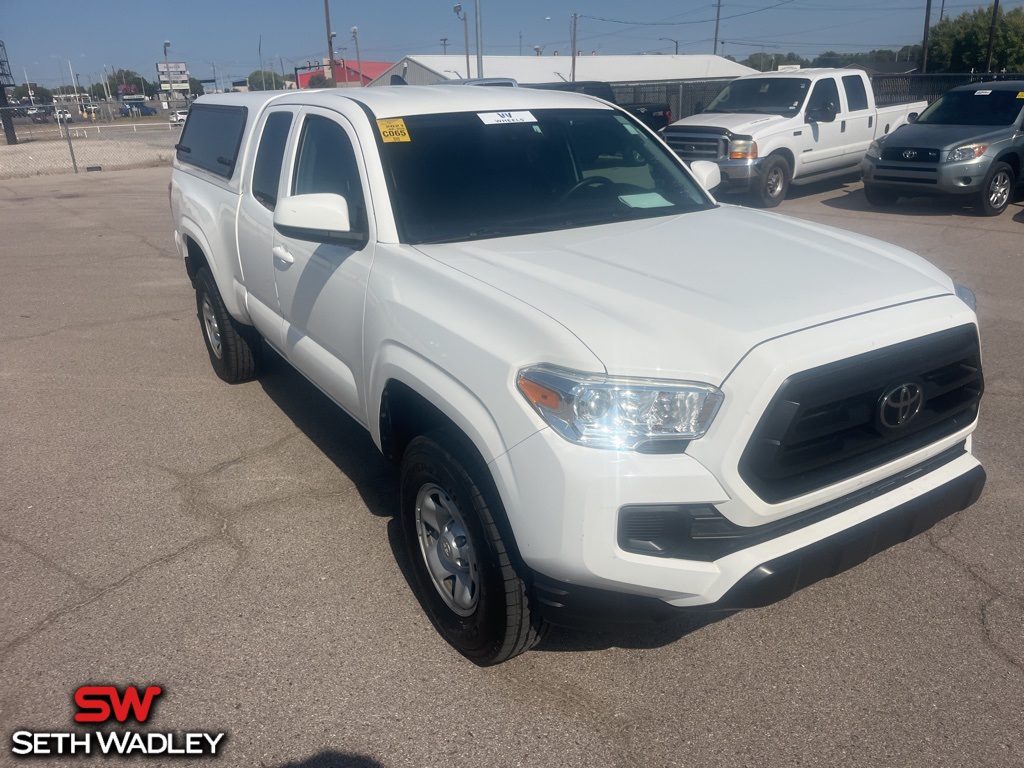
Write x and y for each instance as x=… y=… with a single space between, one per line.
x=234 y=545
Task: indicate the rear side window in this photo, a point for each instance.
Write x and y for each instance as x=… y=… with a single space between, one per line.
x=211 y=138
x=856 y=96
x=266 y=174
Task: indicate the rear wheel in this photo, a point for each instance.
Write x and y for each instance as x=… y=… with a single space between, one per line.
x=996 y=190
x=234 y=349
x=880 y=198
x=470 y=584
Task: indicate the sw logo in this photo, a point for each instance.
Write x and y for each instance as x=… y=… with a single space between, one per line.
x=104 y=703
x=98 y=702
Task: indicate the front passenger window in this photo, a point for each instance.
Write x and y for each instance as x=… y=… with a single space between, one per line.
x=327 y=163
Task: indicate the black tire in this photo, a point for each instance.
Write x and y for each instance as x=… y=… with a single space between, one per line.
x=235 y=349
x=772 y=182
x=880 y=198
x=996 y=190
x=466 y=573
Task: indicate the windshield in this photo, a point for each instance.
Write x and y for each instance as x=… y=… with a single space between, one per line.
x=763 y=95
x=470 y=175
x=975 y=107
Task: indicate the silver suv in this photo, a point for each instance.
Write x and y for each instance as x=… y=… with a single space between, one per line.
x=178 y=116
x=967 y=142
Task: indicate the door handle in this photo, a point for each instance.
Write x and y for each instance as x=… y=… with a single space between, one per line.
x=281 y=254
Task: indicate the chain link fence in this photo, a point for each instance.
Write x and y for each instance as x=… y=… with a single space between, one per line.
x=48 y=142
x=684 y=97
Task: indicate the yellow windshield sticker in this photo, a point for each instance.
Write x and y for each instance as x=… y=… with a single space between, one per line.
x=1020 y=94
x=393 y=129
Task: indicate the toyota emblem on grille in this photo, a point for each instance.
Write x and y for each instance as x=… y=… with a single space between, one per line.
x=900 y=405
x=909 y=154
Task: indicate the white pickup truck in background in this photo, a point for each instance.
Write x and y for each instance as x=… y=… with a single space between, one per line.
x=771 y=130
x=608 y=394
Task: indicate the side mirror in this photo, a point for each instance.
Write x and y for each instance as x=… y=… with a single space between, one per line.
x=707 y=174
x=320 y=218
x=823 y=114
x=912 y=117
x=698 y=107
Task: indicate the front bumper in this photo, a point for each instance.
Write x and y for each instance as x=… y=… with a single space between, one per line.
x=739 y=176
x=776 y=579
x=912 y=178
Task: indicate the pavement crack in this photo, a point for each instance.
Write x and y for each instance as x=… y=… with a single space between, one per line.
x=48 y=561
x=95 y=324
x=996 y=593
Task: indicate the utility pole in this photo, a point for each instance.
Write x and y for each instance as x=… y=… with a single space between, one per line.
x=572 y=69
x=464 y=18
x=479 y=43
x=444 y=45
x=280 y=60
x=359 y=60
x=520 y=43
x=927 y=26
x=73 y=81
x=330 y=44
x=992 y=34
x=167 y=74
x=942 y=10
x=718 y=15
x=28 y=87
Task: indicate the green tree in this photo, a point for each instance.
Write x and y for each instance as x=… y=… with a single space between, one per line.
x=196 y=87
x=769 y=62
x=961 y=44
x=320 y=81
x=265 y=80
x=40 y=95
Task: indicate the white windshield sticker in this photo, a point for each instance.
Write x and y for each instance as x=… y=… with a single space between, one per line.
x=645 y=200
x=983 y=93
x=496 y=118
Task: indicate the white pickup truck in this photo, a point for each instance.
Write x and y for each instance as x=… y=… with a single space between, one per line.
x=609 y=395
x=771 y=130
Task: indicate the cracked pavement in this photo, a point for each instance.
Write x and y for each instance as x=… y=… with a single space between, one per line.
x=234 y=544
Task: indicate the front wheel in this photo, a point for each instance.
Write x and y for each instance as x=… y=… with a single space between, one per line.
x=465 y=571
x=773 y=182
x=996 y=190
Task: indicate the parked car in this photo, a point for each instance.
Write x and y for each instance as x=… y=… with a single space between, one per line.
x=178 y=116
x=136 y=110
x=969 y=143
x=64 y=116
x=774 y=129
x=655 y=116
x=609 y=396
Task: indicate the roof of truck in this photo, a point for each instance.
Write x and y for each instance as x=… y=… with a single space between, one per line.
x=399 y=100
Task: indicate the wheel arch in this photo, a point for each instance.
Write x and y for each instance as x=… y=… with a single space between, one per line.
x=198 y=250
x=1012 y=159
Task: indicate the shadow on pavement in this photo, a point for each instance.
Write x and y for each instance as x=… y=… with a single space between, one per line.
x=332 y=759
x=341 y=439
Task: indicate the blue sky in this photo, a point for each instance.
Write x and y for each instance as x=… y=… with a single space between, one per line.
x=42 y=36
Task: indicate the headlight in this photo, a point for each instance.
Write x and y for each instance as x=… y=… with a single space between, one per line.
x=742 y=149
x=967 y=296
x=875 y=150
x=617 y=412
x=966 y=152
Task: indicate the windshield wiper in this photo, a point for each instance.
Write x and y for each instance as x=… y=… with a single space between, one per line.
x=483 y=233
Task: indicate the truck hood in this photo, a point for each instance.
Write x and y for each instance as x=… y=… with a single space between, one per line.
x=687 y=296
x=743 y=123
x=945 y=136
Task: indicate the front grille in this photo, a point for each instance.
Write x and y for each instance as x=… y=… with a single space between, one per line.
x=824 y=425
x=697 y=146
x=910 y=154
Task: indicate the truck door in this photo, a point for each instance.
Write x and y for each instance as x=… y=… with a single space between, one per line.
x=824 y=149
x=261 y=189
x=321 y=286
x=860 y=118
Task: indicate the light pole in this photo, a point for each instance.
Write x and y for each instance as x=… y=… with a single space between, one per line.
x=671 y=41
x=28 y=87
x=167 y=73
x=464 y=17
x=479 y=43
x=330 y=42
x=359 y=60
